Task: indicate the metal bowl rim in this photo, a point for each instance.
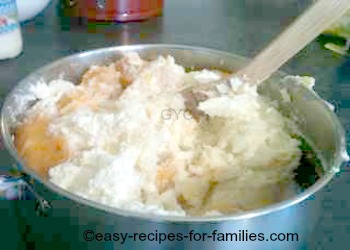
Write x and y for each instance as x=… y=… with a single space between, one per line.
x=325 y=179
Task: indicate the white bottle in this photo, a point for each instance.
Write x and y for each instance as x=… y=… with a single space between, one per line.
x=11 y=42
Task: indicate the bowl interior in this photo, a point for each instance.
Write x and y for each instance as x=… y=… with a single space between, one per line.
x=314 y=118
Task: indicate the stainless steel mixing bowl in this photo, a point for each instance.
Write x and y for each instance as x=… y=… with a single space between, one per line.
x=69 y=216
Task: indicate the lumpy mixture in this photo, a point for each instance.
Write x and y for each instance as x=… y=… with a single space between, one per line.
x=119 y=139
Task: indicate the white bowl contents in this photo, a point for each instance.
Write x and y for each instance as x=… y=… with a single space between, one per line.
x=116 y=139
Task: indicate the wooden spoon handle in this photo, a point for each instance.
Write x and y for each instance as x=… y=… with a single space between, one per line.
x=301 y=32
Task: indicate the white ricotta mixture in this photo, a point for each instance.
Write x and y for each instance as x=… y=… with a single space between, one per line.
x=143 y=151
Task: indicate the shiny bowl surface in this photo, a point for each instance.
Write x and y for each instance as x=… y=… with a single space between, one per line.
x=317 y=121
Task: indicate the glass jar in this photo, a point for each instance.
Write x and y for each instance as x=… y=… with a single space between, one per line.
x=114 y=10
x=11 y=43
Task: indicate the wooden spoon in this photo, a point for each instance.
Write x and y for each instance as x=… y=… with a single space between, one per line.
x=307 y=27
x=301 y=32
